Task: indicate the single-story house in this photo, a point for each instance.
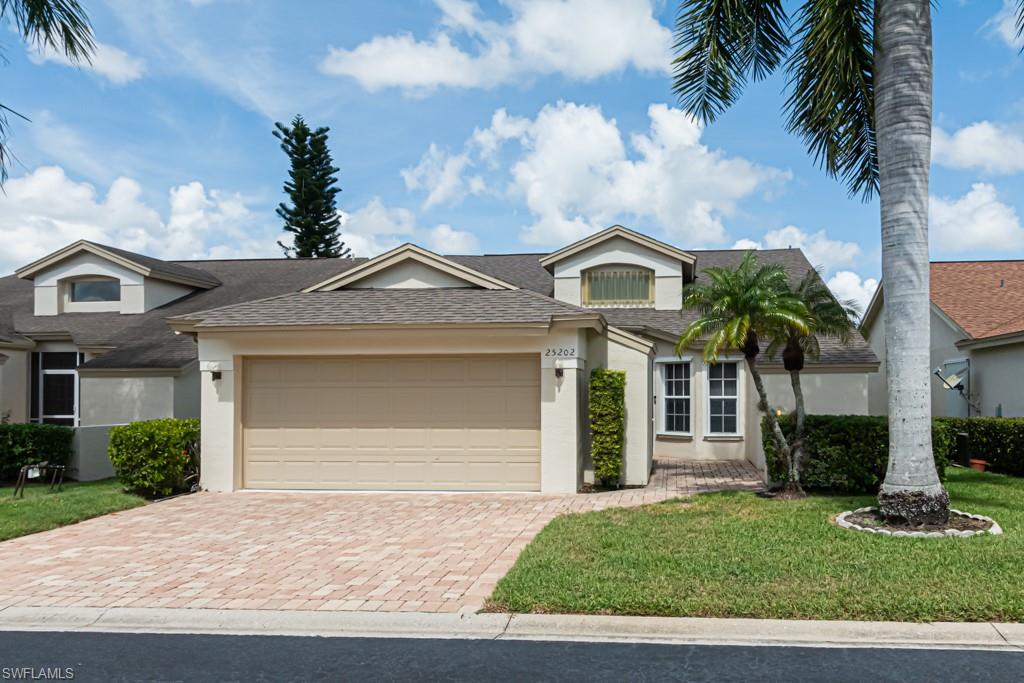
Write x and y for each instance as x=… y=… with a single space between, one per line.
x=976 y=339
x=410 y=370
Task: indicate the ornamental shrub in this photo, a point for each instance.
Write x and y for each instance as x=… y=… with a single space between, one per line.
x=848 y=453
x=997 y=440
x=607 y=423
x=27 y=444
x=152 y=457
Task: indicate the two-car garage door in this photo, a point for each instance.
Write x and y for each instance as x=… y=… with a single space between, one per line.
x=429 y=423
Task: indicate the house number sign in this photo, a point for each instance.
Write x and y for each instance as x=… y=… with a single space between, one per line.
x=560 y=352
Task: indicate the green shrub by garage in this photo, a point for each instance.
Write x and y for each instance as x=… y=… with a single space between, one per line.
x=848 y=453
x=607 y=423
x=997 y=440
x=27 y=444
x=152 y=457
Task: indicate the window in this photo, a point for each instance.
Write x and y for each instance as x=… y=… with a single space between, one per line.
x=676 y=404
x=93 y=290
x=55 y=387
x=723 y=398
x=618 y=286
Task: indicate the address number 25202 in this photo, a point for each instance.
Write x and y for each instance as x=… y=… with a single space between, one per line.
x=562 y=352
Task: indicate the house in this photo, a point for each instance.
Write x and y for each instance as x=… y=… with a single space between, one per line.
x=409 y=370
x=976 y=339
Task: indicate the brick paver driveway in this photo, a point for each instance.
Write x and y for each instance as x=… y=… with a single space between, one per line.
x=327 y=551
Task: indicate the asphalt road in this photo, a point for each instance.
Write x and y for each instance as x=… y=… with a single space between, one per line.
x=181 y=657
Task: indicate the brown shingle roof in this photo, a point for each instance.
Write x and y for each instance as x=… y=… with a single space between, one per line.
x=985 y=298
x=145 y=341
x=452 y=306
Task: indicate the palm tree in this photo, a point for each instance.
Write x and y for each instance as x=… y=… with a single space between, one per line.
x=826 y=317
x=861 y=99
x=59 y=25
x=736 y=310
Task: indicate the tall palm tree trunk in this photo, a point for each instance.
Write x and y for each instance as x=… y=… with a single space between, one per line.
x=797 y=445
x=762 y=404
x=903 y=118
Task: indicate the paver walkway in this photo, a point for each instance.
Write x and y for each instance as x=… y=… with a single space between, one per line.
x=421 y=552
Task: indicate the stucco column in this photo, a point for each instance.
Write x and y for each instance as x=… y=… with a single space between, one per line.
x=560 y=424
x=218 y=420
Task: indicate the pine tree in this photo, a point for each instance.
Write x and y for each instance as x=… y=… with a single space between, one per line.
x=313 y=215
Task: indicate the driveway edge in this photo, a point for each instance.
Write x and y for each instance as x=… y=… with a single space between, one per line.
x=944 y=635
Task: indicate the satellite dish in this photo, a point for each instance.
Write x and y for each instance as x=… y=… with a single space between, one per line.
x=954 y=382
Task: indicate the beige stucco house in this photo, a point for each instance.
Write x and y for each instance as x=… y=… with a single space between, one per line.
x=976 y=340
x=406 y=371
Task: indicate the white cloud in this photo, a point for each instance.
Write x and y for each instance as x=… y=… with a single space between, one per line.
x=982 y=145
x=577 y=174
x=1004 y=25
x=580 y=39
x=819 y=249
x=375 y=228
x=847 y=285
x=445 y=240
x=45 y=210
x=441 y=175
x=976 y=221
x=112 y=63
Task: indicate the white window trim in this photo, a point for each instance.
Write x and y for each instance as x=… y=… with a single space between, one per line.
x=660 y=362
x=69 y=306
x=41 y=419
x=616 y=267
x=740 y=389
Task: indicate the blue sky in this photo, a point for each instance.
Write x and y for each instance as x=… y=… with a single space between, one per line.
x=517 y=125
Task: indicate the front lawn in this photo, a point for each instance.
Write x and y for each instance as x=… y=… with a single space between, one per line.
x=738 y=555
x=41 y=510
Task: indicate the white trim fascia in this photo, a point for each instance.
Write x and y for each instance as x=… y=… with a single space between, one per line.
x=988 y=342
x=618 y=231
x=410 y=252
x=949 y=321
x=28 y=272
x=627 y=339
x=870 y=313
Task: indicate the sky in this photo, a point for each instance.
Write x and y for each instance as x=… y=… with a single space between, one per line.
x=469 y=127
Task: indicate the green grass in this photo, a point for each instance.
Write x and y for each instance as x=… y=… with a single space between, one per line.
x=738 y=555
x=41 y=510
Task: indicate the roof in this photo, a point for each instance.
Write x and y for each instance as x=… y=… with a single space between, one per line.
x=410 y=252
x=670 y=324
x=613 y=232
x=360 y=307
x=267 y=291
x=140 y=263
x=985 y=298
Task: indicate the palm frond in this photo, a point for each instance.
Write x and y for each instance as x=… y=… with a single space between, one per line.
x=831 y=102
x=722 y=43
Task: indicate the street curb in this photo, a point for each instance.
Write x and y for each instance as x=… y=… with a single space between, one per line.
x=591 y=628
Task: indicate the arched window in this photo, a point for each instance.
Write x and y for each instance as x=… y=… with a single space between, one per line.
x=618 y=286
x=94 y=289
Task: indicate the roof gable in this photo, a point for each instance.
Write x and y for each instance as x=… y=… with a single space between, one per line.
x=686 y=258
x=147 y=266
x=405 y=254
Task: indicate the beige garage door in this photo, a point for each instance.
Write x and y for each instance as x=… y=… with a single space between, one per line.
x=430 y=423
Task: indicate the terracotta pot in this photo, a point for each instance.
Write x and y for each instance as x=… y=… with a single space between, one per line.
x=978 y=465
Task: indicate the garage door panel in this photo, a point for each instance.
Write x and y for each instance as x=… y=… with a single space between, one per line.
x=451 y=423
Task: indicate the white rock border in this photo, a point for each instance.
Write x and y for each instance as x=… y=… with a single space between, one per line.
x=994 y=530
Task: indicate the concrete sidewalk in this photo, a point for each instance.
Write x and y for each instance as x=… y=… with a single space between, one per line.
x=988 y=636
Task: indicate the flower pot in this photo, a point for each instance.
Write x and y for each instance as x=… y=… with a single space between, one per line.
x=978 y=465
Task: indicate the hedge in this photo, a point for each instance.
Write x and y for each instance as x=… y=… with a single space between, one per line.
x=848 y=453
x=27 y=444
x=153 y=457
x=997 y=440
x=607 y=423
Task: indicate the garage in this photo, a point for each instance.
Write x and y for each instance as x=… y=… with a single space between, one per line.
x=443 y=423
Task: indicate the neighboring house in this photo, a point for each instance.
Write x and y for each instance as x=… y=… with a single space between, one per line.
x=977 y=339
x=405 y=371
